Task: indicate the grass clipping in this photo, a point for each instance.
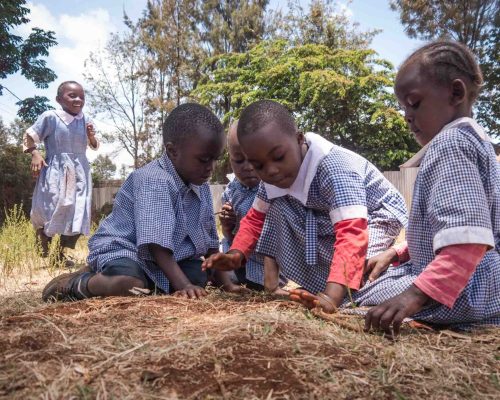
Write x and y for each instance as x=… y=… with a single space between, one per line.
x=226 y=347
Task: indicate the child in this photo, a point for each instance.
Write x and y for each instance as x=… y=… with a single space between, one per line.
x=62 y=196
x=324 y=207
x=453 y=276
x=162 y=221
x=237 y=200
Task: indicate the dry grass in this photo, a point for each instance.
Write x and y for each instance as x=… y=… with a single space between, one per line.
x=222 y=347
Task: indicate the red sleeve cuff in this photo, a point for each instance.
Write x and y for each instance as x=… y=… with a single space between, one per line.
x=351 y=244
x=446 y=276
x=249 y=232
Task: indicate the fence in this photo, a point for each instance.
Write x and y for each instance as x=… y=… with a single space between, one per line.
x=403 y=181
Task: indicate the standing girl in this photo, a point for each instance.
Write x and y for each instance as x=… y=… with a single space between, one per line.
x=62 y=196
x=453 y=238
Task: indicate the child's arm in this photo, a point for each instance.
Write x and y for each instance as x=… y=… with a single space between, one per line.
x=37 y=161
x=243 y=244
x=181 y=284
x=227 y=219
x=379 y=263
x=442 y=280
x=93 y=143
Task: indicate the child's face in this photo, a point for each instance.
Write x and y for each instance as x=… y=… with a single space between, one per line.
x=428 y=106
x=195 y=157
x=72 y=98
x=275 y=154
x=242 y=168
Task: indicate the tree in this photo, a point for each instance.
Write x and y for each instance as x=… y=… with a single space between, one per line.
x=103 y=169
x=118 y=91
x=16 y=184
x=324 y=23
x=23 y=55
x=474 y=23
x=341 y=94
x=232 y=25
x=170 y=37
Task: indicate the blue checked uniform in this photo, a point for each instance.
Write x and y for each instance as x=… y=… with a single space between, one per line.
x=241 y=199
x=299 y=234
x=154 y=206
x=456 y=200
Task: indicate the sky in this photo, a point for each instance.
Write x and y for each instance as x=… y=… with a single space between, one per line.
x=83 y=26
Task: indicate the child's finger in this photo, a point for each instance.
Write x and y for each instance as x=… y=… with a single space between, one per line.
x=308 y=296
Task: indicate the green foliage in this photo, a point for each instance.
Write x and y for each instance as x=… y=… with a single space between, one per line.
x=16 y=183
x=476 y=23
x=103 y=169
x=32 y=107
x=342 y=94
x=23 y=55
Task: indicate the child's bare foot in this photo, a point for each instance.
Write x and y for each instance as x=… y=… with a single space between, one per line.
x=233 y=288
x=278 y=292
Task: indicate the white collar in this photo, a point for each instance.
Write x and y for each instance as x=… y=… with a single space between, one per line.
x=195 y=189
x=318 y=149
x=416 y=160
x=67 y=118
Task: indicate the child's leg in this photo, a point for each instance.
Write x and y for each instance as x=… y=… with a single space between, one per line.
x=271 y=277
x=118 y=278
x=69 y=242
x=44 y=241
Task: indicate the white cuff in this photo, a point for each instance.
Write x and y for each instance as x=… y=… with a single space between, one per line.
x=261 y=205
x=30 y=131
x=348 y=212
x=463 y=235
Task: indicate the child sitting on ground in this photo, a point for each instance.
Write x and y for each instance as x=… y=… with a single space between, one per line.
x=324 y=208
x=162 y=221
x=453 y=237
x=237 y=199
x=62 y=195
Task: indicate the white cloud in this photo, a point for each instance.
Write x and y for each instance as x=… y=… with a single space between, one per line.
x=345 y=10
x=77 y=36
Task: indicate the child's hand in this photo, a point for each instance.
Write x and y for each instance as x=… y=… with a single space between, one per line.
x=227 y=219
x=311 y=301
x=224 y=262
x=191 y=292
x=378 y=264
x=90 y=131
x=393 y=311
x=37 y=163
x=91 y=135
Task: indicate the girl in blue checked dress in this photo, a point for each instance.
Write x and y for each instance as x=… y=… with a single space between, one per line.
x=62 y=196
x=325 y=208
x=453 y=238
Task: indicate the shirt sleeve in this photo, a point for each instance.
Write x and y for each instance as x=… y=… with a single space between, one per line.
x=249 y=232
x=343 y=188
x=43 y=127
x=351 y=244
x=154 y=215
x=448 y=274
x=458 y=211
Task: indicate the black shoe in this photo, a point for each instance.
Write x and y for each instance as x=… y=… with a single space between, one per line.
x=68 y=287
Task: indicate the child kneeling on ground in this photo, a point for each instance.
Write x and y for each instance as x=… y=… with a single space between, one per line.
x=162 y=222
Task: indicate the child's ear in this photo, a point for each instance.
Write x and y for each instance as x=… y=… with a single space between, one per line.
x=58 y=99
x=171 y=150
x=458 y=92
x=300 y=138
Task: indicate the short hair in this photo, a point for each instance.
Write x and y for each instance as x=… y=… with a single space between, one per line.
x=60 y=88
x=188 y=120
x=262 y=112
x=445 y=61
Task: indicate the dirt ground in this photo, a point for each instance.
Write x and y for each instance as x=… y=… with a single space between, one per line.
x=225 y=347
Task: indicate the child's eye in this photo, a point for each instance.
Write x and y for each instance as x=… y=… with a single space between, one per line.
x=279 y=158
x=239 y=161
x=205 y=159
x=415 y=105
x=256 y=166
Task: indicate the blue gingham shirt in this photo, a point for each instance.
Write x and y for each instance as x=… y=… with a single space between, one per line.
x=241 y=199
x=154 y=206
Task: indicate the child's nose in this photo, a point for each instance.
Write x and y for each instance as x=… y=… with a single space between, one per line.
x=272 y=170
